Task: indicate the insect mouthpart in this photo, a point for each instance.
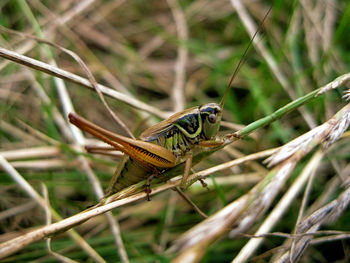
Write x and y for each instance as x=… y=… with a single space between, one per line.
x=211 y=114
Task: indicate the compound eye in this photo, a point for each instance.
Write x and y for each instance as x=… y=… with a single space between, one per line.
x=212 y=118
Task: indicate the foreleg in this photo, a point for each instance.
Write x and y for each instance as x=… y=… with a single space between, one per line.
x=187 y=170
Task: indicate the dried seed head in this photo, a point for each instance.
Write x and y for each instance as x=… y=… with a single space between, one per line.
x=303 y=144
x=347 y=95
x=326 y=133
x=338 y=129
x=338 y=82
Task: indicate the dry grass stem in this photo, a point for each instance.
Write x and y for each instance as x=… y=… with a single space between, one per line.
x=326 y=133
x=185 y=197
x=33 y=194
x=65 y=18
x=48 y=222
x=312 y=223
x=35 y=152
x=99 y=193
x=332 y=238
x=144 y=61
x=246 y=178
x=192 y=242
x=77 y=134
x=17 y=210
x=338 y=82
x=15 y=131
x=50 y=164
x=57 y=116
x=178 y=91
x=57 y=72
x=273 y=218
x=13 y=245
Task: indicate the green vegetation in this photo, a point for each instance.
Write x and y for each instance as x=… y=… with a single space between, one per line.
x=134 y=47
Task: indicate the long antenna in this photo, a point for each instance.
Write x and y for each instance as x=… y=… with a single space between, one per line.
x=243 y=59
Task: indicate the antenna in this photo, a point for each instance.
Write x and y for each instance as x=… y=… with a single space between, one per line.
x=243 y=59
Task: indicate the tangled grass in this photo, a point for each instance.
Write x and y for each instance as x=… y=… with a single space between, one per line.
x=151 y=59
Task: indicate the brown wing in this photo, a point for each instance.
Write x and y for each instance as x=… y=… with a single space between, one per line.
x=165 y=126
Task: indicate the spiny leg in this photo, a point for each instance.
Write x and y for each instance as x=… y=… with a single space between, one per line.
x=201 y=180
x=148 y=189
x=203 y=183
x=104 y=150
x=94 y=148
x=211 y=143
x=187 y=170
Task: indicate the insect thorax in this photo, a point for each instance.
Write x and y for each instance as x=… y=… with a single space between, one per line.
x=187 y=130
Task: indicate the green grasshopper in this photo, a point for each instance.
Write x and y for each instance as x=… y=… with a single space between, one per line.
x=159 y=147
x=164 y=145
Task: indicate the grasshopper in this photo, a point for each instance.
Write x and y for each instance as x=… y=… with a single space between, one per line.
x=166 y=144
x=159 y=147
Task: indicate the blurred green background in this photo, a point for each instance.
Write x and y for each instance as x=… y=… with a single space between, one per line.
x=133 y=47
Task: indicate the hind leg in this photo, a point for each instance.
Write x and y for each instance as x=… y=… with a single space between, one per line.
x=148 y=189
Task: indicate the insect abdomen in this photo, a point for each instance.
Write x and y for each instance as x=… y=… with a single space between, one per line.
x=129 y=172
